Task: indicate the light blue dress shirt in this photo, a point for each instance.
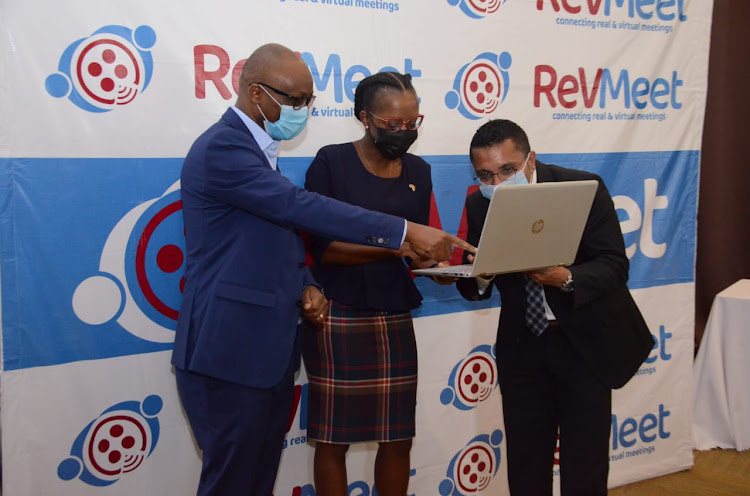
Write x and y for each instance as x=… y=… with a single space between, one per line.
x=269 y=146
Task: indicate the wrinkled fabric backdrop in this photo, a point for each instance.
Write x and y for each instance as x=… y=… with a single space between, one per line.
x=99 y=104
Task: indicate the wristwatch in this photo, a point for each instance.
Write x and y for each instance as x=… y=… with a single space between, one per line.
x=567 y=286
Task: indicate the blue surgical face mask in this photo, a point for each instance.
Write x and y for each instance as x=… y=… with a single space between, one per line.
x=518 y=178
x=487 y=190
x=291 y=122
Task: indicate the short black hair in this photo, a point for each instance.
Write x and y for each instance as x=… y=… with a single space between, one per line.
x=369 y=86
x=496 y=131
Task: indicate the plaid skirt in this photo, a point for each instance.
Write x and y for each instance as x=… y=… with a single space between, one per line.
x=362 y=372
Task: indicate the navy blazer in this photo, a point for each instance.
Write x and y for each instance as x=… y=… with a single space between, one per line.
x=245 y=258
x=599 y=317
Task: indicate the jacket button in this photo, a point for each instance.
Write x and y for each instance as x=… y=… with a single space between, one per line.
x=299 y=303
x=301 y=265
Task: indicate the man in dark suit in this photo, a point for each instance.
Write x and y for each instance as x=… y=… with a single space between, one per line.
x=237 y=344
x=567 y=335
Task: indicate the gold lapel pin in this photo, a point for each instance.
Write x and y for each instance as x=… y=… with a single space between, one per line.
x=412 y=187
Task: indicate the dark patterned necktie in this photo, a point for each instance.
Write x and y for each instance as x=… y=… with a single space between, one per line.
x=536 y=316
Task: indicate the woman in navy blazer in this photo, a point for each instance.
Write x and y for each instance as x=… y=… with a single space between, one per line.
x=362 y=365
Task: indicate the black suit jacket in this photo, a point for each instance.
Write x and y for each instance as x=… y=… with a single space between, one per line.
x=599 y=317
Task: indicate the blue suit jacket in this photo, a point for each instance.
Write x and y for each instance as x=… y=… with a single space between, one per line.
x=245 y=258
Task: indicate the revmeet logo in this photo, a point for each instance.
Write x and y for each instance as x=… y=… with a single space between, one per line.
x=344 y=80
x=481 y=85
x=330 y=74
x=637 y=222
x=660 y=346
x=660 y=353
x=603 y=89
x=477 y=9
x=628 y=431
x=107 y=69
x=662 y=10
x=114 y=444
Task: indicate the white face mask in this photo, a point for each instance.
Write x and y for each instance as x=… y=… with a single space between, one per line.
x=518 y=178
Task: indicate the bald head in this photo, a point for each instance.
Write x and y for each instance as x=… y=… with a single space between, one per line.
x=277 y=66
x=265 y=61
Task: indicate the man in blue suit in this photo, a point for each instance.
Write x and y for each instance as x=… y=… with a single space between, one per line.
x=236 y=346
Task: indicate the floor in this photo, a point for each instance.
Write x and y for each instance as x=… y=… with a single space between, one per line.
x=716 y=472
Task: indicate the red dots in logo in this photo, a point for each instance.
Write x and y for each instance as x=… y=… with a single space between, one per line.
x=95 y=69
x=121 y=71
x=128 y=442
x=108 y=56
x=169 y=258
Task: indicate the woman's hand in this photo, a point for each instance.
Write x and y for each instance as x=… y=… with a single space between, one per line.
x=314 y=306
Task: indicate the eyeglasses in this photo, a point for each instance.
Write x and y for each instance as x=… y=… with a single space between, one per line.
x=394 y=124
x=505 y=173
x=298 y=102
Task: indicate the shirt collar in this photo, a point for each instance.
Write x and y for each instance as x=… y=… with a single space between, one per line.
x=269 y=146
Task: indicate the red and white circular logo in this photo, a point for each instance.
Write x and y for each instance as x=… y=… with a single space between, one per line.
x=107 y=70
x=117 y=443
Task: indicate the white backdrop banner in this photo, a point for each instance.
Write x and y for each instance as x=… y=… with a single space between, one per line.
x=99 y=104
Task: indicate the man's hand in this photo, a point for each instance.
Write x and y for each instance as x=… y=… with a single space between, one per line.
x=431 y=243
x=407 y=252
x=551 y=276
x=444 y=280
x=314 y=306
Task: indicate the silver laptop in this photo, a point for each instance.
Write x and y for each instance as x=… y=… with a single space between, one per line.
x=528 y=226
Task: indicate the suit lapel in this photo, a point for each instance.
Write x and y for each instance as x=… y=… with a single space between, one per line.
x=233 y=120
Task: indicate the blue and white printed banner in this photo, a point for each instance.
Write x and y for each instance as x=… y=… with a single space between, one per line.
x=100 y=104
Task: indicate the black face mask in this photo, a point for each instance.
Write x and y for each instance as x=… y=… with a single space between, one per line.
x=394 y=145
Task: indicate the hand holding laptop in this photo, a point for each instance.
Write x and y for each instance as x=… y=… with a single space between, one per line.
x=529 y=227
x=550 y=276
x=433 y=264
